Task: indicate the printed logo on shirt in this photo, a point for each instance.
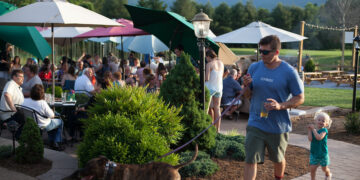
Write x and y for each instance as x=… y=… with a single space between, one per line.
x=266 y=79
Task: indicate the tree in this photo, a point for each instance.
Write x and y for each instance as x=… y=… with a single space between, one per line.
x=182 y=89
x=207 y=9
x=222 y=19
x=264 y=15
x=186 y=8
x=20 y=3
x=282 y=17
x=250 y=12
x=153 y=4
x=238 y=16
x=115 y=9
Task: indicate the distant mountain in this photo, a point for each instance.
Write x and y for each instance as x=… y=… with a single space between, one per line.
x=268 y=4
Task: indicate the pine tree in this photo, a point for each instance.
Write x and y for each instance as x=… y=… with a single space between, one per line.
x=153 y=4
x=182 y=89
x=186 y=8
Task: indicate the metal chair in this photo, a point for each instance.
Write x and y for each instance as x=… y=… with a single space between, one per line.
x=5 y=121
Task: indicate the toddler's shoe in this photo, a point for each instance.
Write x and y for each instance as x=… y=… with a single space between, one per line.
x=328 y=177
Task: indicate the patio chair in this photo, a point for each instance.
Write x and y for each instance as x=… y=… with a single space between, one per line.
x=229 y=100
x=69 y=85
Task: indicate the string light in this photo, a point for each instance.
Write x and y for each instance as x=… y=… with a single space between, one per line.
x=329 y=28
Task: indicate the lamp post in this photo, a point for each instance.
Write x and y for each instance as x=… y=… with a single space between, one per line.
x=357 y=40
x=201 y=23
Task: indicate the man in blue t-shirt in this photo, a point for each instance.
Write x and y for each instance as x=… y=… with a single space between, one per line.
x=271 y=82
x=231 y=88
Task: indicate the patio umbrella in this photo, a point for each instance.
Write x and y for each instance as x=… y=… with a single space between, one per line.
x=253 y=32
x=124 y=45
x=64 y=35
x=26 y=38
x=171 y=28
x=56 y=13
x=147 y=44
x=128 y=30
x=105 y=39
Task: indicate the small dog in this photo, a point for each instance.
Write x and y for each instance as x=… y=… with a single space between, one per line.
x=102 y=168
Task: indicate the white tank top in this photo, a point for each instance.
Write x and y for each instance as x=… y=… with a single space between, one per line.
x=215 y=82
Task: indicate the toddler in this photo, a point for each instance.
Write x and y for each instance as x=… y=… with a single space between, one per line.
x=317 y=134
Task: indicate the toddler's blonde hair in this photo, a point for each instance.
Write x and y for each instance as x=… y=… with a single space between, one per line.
x=326 y=117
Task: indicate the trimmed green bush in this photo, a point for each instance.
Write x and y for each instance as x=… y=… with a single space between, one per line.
x=58 y=91
x=128 y=125
x=310 y=66
x=5 y=152
x=31 y=146
x=229 y=147
x=182 y=89
x=352 y=123
x=201 y=167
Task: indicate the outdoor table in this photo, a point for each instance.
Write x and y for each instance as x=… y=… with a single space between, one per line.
x=313 y=76
x=332 y=73
x=63 y=104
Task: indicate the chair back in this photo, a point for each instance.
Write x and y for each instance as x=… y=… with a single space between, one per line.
x=30 y=113
x=69 y=85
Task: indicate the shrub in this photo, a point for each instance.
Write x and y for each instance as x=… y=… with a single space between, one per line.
x=310 y=66
x=201 y=167
x=352 y=123
x=182 y=89
x=31 y=147
x=229 y=146
x=130 y=126
x=58 y=91
x=5 y=152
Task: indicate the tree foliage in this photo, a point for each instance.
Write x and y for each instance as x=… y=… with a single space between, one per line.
x=115 y=9
x=153 y=4
x=182 y=89
x=186 y=8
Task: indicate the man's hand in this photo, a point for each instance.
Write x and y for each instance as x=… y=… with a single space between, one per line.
x=247 y=80
x=272 y=104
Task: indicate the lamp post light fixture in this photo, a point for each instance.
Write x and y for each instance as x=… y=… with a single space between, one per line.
x=357 y=40
x=201 y=22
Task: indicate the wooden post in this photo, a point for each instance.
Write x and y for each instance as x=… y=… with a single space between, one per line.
x=301 y=46
x=353 y=50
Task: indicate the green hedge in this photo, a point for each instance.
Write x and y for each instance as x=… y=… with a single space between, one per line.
x=229 y=147
x=201 y=167
x=130 y=126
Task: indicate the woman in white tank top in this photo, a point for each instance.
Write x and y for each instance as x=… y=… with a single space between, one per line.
x=213 y=81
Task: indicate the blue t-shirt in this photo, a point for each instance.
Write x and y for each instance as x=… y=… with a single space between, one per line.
x=318 y=148
x=230 y=88
x=278 y=84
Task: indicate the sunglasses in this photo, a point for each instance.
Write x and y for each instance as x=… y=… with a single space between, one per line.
x=265 y=52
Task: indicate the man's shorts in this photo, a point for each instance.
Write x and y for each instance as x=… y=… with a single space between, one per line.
x=323 y=161
x=257 y=140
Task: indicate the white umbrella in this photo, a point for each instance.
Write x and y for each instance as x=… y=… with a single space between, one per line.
x=147 y=44
x=253 y=32
x=126 y=43
x=56 y=13
x=65 y=35
x=106 y=39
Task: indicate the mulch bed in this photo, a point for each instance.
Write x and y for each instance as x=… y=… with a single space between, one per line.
x=29 y=169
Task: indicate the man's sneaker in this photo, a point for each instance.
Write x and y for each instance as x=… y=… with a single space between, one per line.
x=328 y=177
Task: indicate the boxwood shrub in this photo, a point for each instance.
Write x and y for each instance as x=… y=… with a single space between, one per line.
x=128 y=125
x=201 y=167
x=229 y=147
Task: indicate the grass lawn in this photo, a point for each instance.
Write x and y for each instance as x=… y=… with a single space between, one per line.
x=329 y=97
x=322 y=57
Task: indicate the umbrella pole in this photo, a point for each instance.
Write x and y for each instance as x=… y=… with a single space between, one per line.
x=53 y=61
x=355 y=77
x=71 y=53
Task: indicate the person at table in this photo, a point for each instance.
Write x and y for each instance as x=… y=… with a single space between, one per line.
x=45 y=73
x=32 y=79
x=231 y=88
x=12 y=95
x=5 y=61
x=52 y=125
x=80 y=68
x=15 y=64
x=69 y=75
x=83 y=83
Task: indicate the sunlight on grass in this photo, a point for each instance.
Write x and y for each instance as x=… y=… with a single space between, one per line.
x=232 y=132
x=329 y=97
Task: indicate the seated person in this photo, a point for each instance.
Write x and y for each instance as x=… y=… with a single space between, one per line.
x=45 y=72
x=52 y=125
x=118 y=82
x=83 y=83
x=69 y=75
x=150 y=82
x=231 y=88
x=30 y=71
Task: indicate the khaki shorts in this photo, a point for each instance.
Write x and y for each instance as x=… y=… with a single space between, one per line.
x=256 y=141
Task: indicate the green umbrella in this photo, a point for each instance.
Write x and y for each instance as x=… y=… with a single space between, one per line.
x=24 y=37
x=171 y=28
